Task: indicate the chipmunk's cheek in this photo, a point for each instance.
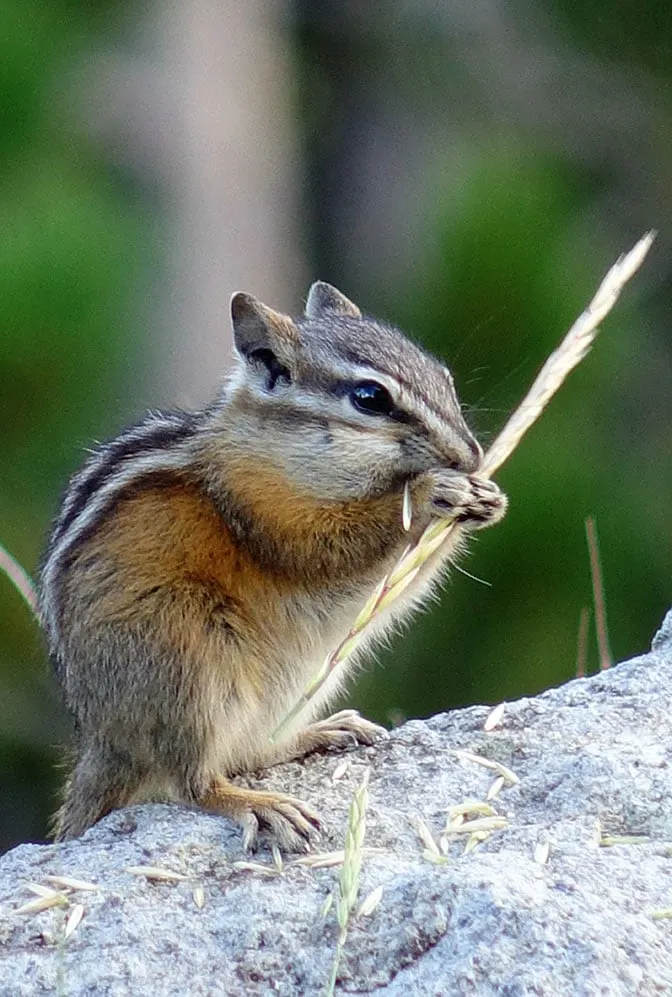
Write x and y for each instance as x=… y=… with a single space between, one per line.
x=415 y=456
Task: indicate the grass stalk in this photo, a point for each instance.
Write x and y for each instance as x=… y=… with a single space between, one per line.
x=350 y=871
x=20 y=579
x=599 y=601
x=564 y=359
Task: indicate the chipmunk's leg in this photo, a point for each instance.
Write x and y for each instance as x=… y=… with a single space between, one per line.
x=101 y=781
x=346 y=729
x=281 y=818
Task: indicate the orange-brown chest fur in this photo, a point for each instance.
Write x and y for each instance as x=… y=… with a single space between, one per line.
x=167 y=563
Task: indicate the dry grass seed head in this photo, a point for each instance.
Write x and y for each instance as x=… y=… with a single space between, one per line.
x=571 y=351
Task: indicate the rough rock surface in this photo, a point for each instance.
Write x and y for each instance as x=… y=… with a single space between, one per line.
x=594 y=760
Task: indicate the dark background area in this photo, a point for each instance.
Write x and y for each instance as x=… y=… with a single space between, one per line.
x=468 y=171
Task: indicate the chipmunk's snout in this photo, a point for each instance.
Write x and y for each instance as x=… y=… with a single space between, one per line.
x=462 y=453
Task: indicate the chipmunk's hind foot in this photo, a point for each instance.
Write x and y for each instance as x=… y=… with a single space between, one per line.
x=283 y=819
x=100 y=782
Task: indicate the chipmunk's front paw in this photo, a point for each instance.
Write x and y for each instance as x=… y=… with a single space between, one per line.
x=345 y=729
x=475 y=502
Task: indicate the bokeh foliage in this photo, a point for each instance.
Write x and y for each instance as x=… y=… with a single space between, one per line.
x=72 y=238
x=509 y=252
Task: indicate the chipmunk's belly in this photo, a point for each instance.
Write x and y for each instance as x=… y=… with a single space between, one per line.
x=270 y=685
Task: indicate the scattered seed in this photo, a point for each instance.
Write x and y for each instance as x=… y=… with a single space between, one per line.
x=487 y=824
x=265 y=870
x=435 y=859
x=70 y=883
x=277 y=857
x=661 y=914
x=340 y=770
x=426 y=836
x=43 y=891
x=608 y=840
x=321 y=860
x=370 y=902
x=487 y=763
x=541 y=852
x=199 y=896
x=327 y=860
x=73 y=919
x=460 y=810
x=43 y=903
x=154 y=872
x=494 y=718
x=475 y=838
x=495 y=788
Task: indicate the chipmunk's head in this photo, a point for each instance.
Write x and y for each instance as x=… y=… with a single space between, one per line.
x=346 y=405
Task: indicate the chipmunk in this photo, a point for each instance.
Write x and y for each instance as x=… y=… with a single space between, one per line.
x=202 y=565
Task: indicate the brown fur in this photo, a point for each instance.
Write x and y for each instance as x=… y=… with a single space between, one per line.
x=189 y=614
x=165 y=571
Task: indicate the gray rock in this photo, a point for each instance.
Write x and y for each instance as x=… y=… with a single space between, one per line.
x=594 y=760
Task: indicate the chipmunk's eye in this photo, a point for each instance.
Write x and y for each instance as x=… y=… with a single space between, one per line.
x=372 y=398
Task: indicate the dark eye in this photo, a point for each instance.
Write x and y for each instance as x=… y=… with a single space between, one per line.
x=372 y=398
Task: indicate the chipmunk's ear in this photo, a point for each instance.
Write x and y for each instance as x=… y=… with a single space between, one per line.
x=324 y=300
x=266 y=339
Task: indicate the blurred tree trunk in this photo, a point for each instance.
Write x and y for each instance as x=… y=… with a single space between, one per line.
x=232 y=179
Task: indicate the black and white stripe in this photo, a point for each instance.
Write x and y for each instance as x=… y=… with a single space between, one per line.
x=159 y=444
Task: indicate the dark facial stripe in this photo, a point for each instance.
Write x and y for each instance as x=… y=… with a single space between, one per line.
x=392 y=354
x=129 y=444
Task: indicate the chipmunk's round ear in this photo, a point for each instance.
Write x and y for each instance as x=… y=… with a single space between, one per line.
x=256 y=327
x=324 y=300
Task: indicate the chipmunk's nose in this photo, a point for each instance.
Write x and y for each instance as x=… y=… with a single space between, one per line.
x=469 y=453
x=463 y=454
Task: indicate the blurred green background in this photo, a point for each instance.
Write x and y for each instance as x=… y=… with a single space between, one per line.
x=468 y=171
